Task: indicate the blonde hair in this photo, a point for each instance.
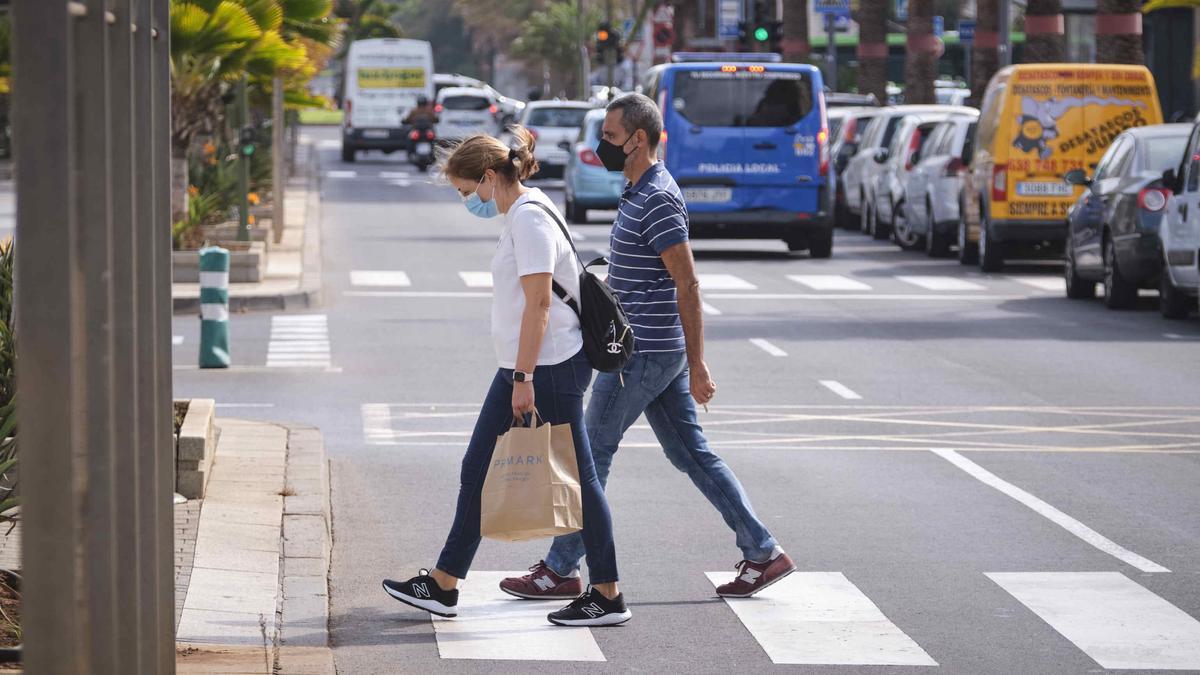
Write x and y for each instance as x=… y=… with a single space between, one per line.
x=473 y=156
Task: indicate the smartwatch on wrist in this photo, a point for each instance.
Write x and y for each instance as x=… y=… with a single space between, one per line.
x=519 y=376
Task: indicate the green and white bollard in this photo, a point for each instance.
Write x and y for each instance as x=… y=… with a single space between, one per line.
x=214 y=307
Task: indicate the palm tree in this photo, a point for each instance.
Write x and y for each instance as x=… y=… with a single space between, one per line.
x=985 y=59
x=1044 y=40
x=1124 y=46
x=920 y=63
x=795 y=30
x=872 y=48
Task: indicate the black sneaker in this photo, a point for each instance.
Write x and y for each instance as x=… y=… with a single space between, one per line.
x=592 y=609
x=423 y=592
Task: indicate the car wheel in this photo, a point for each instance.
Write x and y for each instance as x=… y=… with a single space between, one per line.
x=878 y=229
x=1078 y=288
x=820 y=244
x=574 y=213
x=864 y=224
x=968 y=252
x=347 y=153
x=991 y=258
x=1119 y=292
x=937 y=244
x=902 y=233
x=1172 y=302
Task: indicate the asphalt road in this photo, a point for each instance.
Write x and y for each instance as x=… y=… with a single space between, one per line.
x=973 y=473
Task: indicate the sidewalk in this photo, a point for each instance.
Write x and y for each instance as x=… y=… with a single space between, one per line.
x=292 y=278
x=258 y=596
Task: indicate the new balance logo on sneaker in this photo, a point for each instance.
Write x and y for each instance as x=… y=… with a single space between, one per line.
x=544 y=583
x=421 y=590
x=592 y=609
x=750 y=576
x=753 y=576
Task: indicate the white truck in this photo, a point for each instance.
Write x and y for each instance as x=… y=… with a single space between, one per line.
x=384 y=77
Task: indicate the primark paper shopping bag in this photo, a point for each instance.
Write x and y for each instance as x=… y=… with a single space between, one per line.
x=532 y=486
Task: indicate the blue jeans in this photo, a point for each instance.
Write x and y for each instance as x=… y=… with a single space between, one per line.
x=657 y=384
x=558 y=393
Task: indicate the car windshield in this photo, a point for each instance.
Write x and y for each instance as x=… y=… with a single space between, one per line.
x=712 y=98
x=556 y=117
x=465 y=103
x=1164 y=152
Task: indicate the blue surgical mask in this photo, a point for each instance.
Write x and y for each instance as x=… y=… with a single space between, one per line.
x=479 y=207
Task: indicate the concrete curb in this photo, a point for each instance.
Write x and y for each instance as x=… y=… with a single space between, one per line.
x=197 y=446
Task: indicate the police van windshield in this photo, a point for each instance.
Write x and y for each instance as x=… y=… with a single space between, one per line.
x=710 y=98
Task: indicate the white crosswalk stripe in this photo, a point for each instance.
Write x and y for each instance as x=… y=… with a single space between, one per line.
x=340 y=173
x=377 y=424
x=821 y=618
x=829 y=282
x=299 y=341
x=1056 y=284
x=935 y=283
x=380 y=278
x=476 y=279
x=724 y=282
x=1114 y=620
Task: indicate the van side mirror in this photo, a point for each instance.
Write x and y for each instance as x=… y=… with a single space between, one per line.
x=1076 y=177
x=881 y=155
x=1170 y=180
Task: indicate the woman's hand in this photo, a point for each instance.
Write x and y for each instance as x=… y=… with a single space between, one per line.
x=522 y=399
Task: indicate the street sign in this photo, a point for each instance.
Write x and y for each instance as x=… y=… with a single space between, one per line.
x=939 y=26
x=729 y=14
x=626 y=28
x=902 y=10
x=966 y=30
x=835 y=7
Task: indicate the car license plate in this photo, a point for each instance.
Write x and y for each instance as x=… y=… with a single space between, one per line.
x=375 y=133
x=424 y=148
x=1044 y=189
x=709 y=195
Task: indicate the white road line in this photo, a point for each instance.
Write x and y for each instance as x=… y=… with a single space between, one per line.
x=1056 y=284
x=884 y=297
x=400 y=182
x=933 y=283
x=829 y=282
x=299 y=341
x=341 y=174
x=840 y=389
x=492 y=625
x=821 y=618
x=1050 y=513
x=379 y=278
x=724 y=282
x=1114 y=620
x=402 y=175
x=245 y=405
x=767 y=347
x=709 y=309
x=176 y=340
x=329 y=144
x=417 y=294
x=476 y=279
x=377 y=424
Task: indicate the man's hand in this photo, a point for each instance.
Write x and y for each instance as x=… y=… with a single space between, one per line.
x=701 y=382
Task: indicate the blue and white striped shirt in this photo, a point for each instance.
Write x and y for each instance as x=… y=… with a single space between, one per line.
x=651 y=218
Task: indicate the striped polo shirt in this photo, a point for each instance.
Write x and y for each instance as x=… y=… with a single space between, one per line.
x=650 y=219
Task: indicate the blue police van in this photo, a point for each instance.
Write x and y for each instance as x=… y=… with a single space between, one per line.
x=747 y=139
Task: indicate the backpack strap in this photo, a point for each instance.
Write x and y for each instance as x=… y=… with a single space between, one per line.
x=558 y=289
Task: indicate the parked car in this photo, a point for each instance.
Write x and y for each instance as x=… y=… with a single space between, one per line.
x=555 y=125
x=847 y=126
x=1113 y=228
x=838 y=99
x=1039 y=121
x=464 y=111
x=933 y=194
x=586 y=183
x=1179 y=283
x=510 y=108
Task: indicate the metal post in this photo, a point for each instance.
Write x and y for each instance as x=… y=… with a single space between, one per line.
x=1004 y=28
x=610 y=56
x=831 y=58
x=278 y=170
x=243 y=232
x=966 y=48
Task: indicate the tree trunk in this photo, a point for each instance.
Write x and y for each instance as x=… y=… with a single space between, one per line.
x=179 y=184
x=1044 y=40
x=872 y=48
x=684 y=23
x=1119 y=32
x=920 y=62
x=985 y=58
x=795 y=30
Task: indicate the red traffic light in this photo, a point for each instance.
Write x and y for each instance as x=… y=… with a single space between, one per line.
x=602 y=35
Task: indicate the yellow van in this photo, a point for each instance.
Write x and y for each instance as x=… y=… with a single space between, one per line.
x=1037 y=122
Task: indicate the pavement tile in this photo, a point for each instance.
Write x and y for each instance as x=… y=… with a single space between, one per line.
x=304 y=530
x=246 y=537
x=305 y=566
x=304 y=505
x=223 y=628
x=232 y=591
x=238 y=559
x=266 y=514
x=295 y=660
x=295 y=586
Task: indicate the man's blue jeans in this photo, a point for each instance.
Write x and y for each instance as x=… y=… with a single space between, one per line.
x=657 y=384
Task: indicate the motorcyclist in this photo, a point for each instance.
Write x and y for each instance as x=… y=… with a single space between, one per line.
x=423 y=114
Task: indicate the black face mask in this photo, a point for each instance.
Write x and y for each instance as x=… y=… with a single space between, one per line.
x=611 y=155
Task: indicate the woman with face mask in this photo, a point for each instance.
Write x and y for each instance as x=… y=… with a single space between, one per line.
x=539 y=349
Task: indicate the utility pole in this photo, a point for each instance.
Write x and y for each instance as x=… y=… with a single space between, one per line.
x=1004 y=28
x=831 y=57
x=610 y=55
x=584 y=70
x=243 y=108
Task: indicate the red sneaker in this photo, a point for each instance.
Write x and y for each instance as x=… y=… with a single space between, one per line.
x=752 y=577
x=543 y=584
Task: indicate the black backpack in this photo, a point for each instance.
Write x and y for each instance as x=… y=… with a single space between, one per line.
x=607 y=335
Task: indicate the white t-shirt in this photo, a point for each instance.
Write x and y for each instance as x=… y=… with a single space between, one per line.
x=532 y=243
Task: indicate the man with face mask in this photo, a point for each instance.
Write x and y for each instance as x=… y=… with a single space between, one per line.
x=653 y=274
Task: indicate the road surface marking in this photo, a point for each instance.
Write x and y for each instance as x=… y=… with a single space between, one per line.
x=341 y=174
x=941 y=283
x=475 y=279
x=176 y=340
x=821 y=618
x=400 y=182
x=709 y=309
x=329 y=144
x=1112 y=619
x=840 y=389
x=298 y=341
x=245 y=405
x=377 y=424
x=829 y=282
x=1056 y=284
x=402 y=175
x=417 y=294
x=493 y=625
x=884 y=297
x=724 y=282
x=1052 y=514
x=767 y=347
x=379 y=278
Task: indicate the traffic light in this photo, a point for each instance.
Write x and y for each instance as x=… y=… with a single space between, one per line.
x=246 y=141
x=607 y=40
x=774 y=40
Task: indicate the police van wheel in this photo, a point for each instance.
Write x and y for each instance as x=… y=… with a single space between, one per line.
x=991 y=257
x=820 y=245
x=968 y=253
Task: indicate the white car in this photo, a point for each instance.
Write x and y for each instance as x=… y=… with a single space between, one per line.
x=1180 y=235
x=510 y=108
x=933 y=195
x=555 y=125
x=465 y=111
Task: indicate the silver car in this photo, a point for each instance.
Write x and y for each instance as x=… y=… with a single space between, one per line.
x=933 y=195
x=1180 y=235
x=555 y=125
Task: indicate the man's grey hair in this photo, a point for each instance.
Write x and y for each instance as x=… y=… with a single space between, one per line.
x=639 y=111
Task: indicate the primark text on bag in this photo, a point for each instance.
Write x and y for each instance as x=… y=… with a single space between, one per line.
x=532 y=485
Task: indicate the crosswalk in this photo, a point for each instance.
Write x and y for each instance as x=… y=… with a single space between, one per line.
x=822 y=618
x=299 y=341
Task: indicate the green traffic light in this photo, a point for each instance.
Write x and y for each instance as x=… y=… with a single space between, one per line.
x=248 y=150
x=761 y=34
